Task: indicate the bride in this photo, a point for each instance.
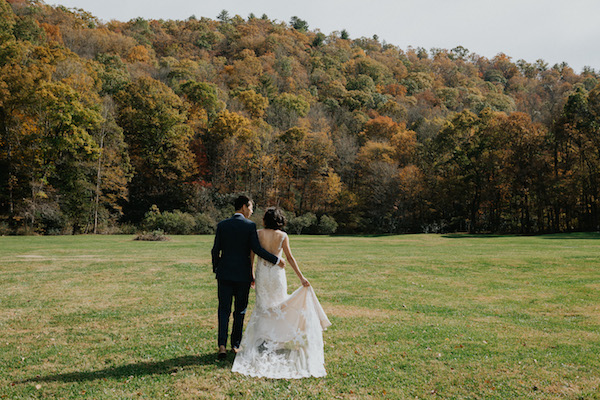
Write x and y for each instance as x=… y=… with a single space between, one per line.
x=284 y=337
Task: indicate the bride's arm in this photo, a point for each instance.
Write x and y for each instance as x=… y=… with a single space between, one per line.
x=292 y=261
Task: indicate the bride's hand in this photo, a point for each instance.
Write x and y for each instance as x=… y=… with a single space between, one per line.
x=305 y=282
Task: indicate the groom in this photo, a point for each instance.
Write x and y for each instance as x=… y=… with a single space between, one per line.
x=234 y=239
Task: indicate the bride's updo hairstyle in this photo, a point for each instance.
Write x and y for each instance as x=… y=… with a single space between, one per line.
x=274 y=218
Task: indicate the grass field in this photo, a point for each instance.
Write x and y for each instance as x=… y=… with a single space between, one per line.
x=414 y=316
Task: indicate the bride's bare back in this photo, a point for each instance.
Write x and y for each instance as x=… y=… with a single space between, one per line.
x=271 y=240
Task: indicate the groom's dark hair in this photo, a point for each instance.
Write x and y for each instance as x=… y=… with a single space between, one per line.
x=241 y=201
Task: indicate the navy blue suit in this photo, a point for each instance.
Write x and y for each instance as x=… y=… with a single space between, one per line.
x=234 y=239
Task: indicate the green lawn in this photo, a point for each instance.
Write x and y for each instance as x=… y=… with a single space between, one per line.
x=414 y=316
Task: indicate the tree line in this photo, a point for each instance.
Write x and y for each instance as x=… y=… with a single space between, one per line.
x=113 y=126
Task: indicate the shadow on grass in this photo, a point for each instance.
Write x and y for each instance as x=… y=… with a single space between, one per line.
x=137 y=369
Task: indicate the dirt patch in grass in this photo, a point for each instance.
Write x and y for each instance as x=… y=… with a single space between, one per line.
x=196 y=388
x=359 y=312
x=569 y=389
x=592 y=313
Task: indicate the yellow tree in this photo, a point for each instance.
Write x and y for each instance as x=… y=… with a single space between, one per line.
x=253 y=102
x=245 y=72
x=67 y=150
x=231 y=145
x=153 y=119
x=113 y=169
x=307 y=158
x=378 y=185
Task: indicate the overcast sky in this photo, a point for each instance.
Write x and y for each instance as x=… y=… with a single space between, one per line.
x=553 y=30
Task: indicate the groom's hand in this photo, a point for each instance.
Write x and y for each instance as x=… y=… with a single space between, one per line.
x=281 y=263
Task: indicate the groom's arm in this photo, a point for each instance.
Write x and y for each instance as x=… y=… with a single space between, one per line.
x=216 y=250
x=258 y=250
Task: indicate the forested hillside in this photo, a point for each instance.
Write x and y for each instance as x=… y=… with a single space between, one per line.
x=109 y=125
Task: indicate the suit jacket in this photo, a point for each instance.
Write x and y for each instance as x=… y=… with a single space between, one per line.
x=234 y=239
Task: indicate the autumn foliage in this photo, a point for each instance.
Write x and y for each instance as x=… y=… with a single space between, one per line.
x=107 y=125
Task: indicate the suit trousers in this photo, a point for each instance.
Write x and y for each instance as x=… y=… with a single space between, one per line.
x=227 y=292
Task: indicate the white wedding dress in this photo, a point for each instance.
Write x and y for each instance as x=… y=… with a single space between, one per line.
x=284 y=336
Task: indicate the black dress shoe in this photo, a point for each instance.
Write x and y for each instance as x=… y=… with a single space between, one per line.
x=222 y=354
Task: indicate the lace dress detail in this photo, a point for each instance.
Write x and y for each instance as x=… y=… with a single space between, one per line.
x=284 y=336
